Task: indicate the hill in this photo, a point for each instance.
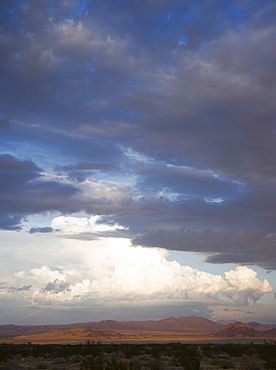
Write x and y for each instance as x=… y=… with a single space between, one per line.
x=237 y=329
x=270 y=333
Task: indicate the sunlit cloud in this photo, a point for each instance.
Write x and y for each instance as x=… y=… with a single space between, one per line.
x=112 y=269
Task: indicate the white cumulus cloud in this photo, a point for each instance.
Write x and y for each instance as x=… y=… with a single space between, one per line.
x=107 y=277
x=111 y=269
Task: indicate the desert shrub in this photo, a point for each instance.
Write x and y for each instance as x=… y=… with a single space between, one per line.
x=211 y=350
x=252 y=363
x=117 y=354
x=41 y=365
x=134 y=364
x=87 y=362
x=222 y=363
x=11 y=364
x=124 y=363
x=4 y=354
x=224 y=355
x=59 y=360
x=75 y=359
x=90 y=362
x=142 y=359
x=268 y=354
x=188 y=358
x=88 y=358
x=117 y=365
x=155 y=363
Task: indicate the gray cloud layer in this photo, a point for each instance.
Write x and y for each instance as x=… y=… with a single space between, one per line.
x=243 y=246
x=24 y=191
x=159 y=113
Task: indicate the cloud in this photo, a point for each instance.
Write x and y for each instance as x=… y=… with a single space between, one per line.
x=106 y=276
x=251 y=247
x=4 y=122
x=89 y=166
x=106 y=112
x=184 y=181
x=10 y=221
x=244 y=280
x=25 y=287
x=111 y=270
x=84 y=228
x=130 y=274
x=10 y=164
x=25 y=192
x=56 y=286
x=82 y=170
x=34 y=230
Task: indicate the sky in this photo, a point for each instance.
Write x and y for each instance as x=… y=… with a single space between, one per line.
x=137 y=160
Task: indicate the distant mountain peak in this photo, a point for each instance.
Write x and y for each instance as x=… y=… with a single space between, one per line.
x=261 y=327
x=236 y=329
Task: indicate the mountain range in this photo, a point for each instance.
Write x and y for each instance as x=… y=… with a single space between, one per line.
x=182 y=324
x=191 y=325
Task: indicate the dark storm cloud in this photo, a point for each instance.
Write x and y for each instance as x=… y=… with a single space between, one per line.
x=265 y=260
x=250 y=247
x=9 y=165
x=185 y=181
x=4 y=122
x=82 y=170
x=176 y=98
x=24 y=192
x=81 y=67
x=59 y=143
x=10 y=221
